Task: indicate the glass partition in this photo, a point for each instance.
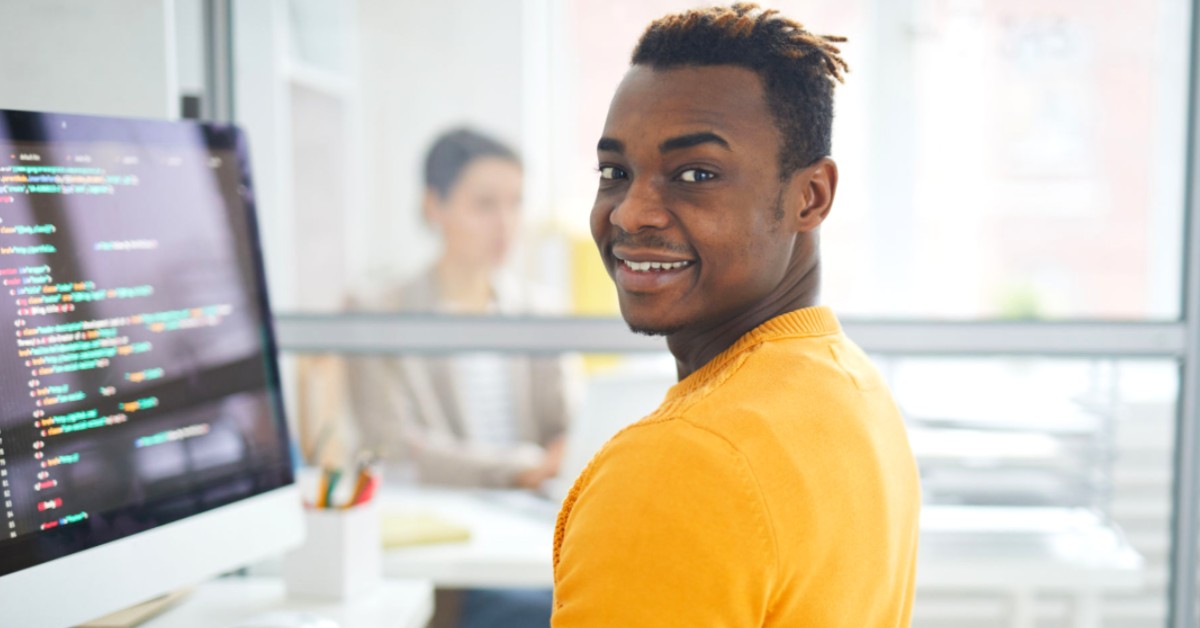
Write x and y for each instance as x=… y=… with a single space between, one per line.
x=1072 y=457
x=1020 y=161
x=1046 y=482
x=1039 y=145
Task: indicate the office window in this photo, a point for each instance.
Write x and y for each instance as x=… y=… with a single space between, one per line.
x=1046 y=482
x=1016 y=160
x=1027 y=450
x=342 y=106
x=1038 y=145
x=1021 y=161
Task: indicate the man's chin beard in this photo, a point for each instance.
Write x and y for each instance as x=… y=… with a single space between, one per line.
x=648 y=327
x=653 y=331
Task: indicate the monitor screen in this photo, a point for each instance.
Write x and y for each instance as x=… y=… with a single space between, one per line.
x=138 y=384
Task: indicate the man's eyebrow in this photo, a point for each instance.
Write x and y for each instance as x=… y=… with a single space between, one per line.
x=611 y=145
x=690 y=140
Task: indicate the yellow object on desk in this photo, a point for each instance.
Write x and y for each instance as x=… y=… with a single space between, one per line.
x=403 y=529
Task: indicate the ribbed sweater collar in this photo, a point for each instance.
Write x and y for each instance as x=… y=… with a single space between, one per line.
x=807 y=322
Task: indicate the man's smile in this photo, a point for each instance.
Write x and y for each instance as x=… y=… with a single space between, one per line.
x=644 y=271
x=648 y=266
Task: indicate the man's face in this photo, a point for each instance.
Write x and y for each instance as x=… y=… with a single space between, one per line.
x=688 y=216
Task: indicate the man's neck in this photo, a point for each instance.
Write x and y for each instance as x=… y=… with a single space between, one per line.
x=695 y=347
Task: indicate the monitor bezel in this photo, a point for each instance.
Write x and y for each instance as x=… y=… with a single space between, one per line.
x=117 y=573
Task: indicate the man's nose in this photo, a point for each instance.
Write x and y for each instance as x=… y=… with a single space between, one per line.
x=643 y=207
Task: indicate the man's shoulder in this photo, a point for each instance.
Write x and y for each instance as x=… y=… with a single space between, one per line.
x=681 y=435
x=771 y=403
x=795 y=372
x=665 y=502
x=664 y=454
x=660 y=464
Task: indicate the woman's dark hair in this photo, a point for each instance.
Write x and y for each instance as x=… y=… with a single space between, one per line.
x=453 y=150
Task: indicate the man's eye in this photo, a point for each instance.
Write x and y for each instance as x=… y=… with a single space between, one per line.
x=696 y=175
x=611 y=172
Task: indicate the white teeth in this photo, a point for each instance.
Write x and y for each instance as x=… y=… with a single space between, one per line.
x=646 y=266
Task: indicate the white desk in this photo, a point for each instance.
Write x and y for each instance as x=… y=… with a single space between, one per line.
x=510 y=545
x=511 y=542
x=234 y=601
x=1021 y=552
x=1026 y=552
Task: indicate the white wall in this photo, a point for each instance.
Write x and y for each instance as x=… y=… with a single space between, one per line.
x=424 y=68
x=79 y=56
x=189 y=44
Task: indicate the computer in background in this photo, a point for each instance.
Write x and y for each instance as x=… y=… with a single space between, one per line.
x=143 y=445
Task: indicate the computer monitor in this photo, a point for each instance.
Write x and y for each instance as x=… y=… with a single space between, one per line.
x=143 y=445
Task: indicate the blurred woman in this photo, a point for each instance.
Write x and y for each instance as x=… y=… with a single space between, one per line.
x=473 y=419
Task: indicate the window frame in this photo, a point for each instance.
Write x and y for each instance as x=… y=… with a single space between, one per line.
x=1178 y=340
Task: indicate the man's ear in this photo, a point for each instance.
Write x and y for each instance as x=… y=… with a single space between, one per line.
x=811 y=191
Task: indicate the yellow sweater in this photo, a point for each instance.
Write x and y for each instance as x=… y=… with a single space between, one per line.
x=773 y=487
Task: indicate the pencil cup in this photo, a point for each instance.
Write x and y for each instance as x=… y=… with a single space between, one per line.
x=341 y=557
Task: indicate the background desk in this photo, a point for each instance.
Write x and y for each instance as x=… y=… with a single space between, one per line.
x=1026 y=552
x=511 y=544
x=1018 y=552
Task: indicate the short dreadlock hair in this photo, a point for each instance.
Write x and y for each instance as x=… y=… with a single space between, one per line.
x=797 y=68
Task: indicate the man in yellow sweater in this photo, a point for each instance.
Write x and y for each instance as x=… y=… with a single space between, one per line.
x=775 y=485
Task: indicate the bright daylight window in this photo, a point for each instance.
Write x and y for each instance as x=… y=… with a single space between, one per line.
x=1000 y=160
